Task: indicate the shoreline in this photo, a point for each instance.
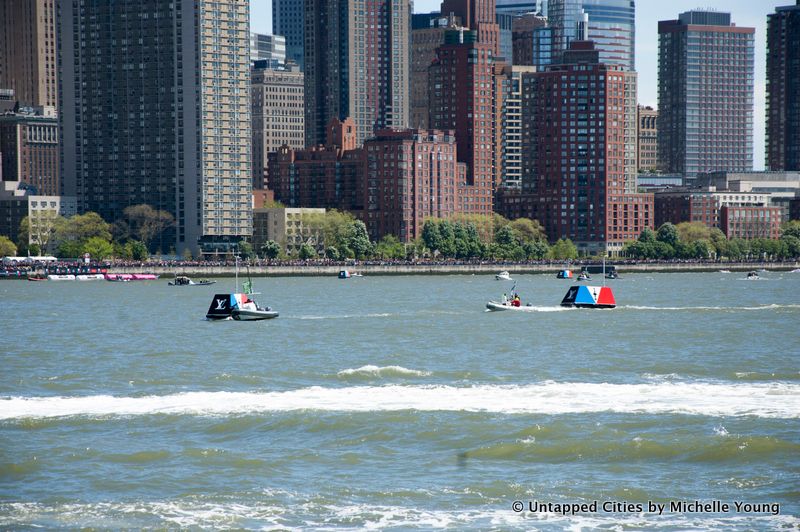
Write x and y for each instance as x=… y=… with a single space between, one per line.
x=312 y=270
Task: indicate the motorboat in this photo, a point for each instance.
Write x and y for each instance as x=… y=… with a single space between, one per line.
x=507 y=303
x=753 y=275
x=583 y=276
x=612 y=275
x=724 y=271
x=589 y=297
x=182 y=280
x=90 y=277
x=118 y=277
x=238 y=307
x=37 y=277
x=503 y=276
x=346 y=274
x=796 y=270
x=61 y=277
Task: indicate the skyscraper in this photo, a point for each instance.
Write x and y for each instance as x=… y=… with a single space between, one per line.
x=647 y=139
x=783 y=88
x=356 y=65
x=609 y=23
x=705 y=94
x=269 y=49
x=155 y=110
x=479 y=16
x=288 y=19
x=28 y=51
x=578 y=131
x=466 y=96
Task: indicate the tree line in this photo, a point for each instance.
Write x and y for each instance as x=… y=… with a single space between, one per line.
x=695 y=240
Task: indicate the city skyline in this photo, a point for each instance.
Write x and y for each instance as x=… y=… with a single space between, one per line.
x=648 y=13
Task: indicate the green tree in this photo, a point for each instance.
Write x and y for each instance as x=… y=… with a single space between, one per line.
x=791 y=228
x=359 y=241
x=536 y=249
x=668 y=234
x=647 y=235
x=431 y=235
x=792 y=245
x=563 y=249
x=528 y=230
x=390 y=247
x=448 y=239
x=77 y=230
x=146 y=223
x=689 y=232
x=505 y=236
x=701 y=249
x=70 y=249
x=271 y=249
x=7 y=247
x=136 y=250
x=98 y=248
x=307 y=252
x=332 y=253
x=246 y=250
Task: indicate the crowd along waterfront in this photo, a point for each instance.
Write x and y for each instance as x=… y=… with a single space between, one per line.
x=397 y=401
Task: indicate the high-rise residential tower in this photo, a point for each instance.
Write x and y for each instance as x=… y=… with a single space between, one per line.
x=479 y=16
x=28 y=51
x=609 y=23
x=783 y=88
x=647 y=139
x=705 y=94
x=466 y=96
x=579 y=152
x=155 y=109
x=288 y=18
x=356 y=65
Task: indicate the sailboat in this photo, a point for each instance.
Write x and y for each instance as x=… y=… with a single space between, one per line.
x=239 y=306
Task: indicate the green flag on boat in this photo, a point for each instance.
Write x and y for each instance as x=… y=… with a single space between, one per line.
x=247 y=287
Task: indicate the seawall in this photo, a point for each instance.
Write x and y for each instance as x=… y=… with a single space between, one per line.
x=438 y=269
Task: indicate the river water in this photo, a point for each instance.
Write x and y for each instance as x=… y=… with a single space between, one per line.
x=398 y=402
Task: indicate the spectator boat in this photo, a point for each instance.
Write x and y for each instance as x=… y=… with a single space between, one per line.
x=182 y=280
x=503 y=276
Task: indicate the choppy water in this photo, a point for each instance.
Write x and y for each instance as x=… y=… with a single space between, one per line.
x=382 y=402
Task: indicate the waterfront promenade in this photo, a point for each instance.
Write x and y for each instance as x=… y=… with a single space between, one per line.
x=388 y=268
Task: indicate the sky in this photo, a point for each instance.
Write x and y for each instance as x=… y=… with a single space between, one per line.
x=748 y=13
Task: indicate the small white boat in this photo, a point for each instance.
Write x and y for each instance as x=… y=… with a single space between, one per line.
x=61 y=277
x=90 y=277
x=583 y=276
x=724 y=271
x=503 y=276
x=753 y=276
x=497 y=306
x=182 y=280
x=796 y=270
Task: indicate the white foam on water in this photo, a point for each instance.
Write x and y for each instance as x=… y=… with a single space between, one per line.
x=350 y=516
x=383 y=371
x=769 y=400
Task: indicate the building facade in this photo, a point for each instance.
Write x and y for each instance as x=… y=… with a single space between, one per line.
x=287 y=227
x=28 y=51
x=466 y=96
x=479 y=16
x=424 y=42
x=521 y=7
x=750 y=222
x=579 y=162
x=511 y=126
x=526 y=40
x=783 y=88
x=278 y=115
x=268 y=50
x=29 y=150
x=647 y=139
x=705 y=204
x=609 y=23
x=288 y=19
x=158 y=113
x=409 y=176
x=705 y=94
x=356 y=65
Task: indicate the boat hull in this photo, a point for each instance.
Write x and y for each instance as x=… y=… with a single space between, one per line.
x=496 y=306
x=253 y=315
